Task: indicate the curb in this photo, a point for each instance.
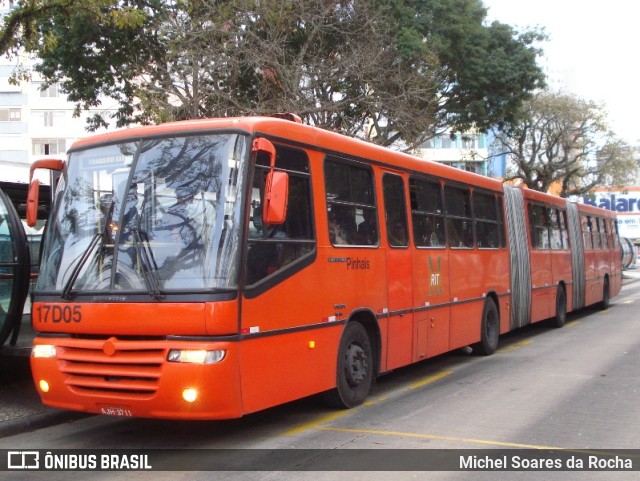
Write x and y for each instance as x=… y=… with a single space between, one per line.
x=25 y=424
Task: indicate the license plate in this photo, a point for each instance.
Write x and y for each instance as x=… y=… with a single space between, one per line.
x=119 y=411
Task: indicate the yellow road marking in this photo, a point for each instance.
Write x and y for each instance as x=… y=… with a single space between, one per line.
x=317 y=422
x=430 y=379
x=439 y=438
x=338 y=414
x=516 y=345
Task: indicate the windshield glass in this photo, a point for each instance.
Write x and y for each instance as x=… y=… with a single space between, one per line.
x=154 y=215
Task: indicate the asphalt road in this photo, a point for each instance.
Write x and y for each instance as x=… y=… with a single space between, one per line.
x=574 y=388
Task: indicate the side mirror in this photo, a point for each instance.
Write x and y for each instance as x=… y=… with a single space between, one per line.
x=33 y=197
x=276 y=188
x=261 y=144
x=276 y=193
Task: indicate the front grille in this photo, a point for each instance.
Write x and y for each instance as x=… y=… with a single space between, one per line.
x=128 y=368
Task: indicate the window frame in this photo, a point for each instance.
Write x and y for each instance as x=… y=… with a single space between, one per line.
x=450 y=218
x=435 y=215
x=402 y=215
x=284 y=270
x=334 y=204
x=497 y=221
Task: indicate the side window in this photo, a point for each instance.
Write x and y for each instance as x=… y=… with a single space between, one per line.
x=427 y=214
x=395 y=210
x=351 y=209
x=613 y=234
x=586 y=231
x=602 y=228
x=555 y=231
x=503 y=236
x=274 y=247
x=487 y=221
x=539 y=226
x=595 y=235
x=562 y=218
x=457 y=203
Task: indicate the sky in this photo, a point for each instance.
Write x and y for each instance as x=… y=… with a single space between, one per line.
x=595 y=42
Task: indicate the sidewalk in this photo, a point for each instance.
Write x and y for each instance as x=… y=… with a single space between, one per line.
x=631 y=275
x=20 y=407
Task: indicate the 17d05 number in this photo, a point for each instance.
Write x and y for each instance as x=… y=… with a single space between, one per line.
x=68 y=314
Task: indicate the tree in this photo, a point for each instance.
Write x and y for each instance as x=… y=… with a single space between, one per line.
x=563 y=141
x=385 y=70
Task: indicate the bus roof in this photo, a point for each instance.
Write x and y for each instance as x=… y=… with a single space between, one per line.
x=297 y=133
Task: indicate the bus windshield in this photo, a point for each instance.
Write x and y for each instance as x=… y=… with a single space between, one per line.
x=148 y=216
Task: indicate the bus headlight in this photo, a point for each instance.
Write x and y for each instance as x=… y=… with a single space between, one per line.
x=196 y=356
x=44 y=351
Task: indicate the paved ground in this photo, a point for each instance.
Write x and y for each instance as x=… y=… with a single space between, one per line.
x=20 y=406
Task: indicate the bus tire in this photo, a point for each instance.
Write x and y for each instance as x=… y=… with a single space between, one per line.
x=561 y=308
x=355 y=368
x=489 y=330
x=606 y=295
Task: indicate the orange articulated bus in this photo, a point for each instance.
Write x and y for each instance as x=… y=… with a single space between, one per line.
x=213 y=268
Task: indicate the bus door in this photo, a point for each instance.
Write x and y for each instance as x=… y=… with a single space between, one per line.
x=431 y=269
x=399 y=272
x=14 y=270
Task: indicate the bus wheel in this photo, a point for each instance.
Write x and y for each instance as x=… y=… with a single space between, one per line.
x=490 y=330
x=355 y=368
x=606 y=295
x=561 y=308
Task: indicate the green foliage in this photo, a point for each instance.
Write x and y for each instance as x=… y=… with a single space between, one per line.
x=562 y=142
x=385 y=70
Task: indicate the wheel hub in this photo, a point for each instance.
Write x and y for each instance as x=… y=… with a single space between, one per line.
x=356 y=365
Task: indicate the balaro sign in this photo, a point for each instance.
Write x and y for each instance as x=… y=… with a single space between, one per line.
x=616 y=202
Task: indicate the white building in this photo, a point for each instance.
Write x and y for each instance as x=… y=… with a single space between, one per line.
x=468 y=152
x=34 y=123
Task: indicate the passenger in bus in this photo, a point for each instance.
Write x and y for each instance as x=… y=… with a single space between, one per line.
x=398 y=234
x=367 y=231
x=336 y=230
x=430 y=237
x=452 y=234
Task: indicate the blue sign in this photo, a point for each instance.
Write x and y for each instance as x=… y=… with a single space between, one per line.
x=615 y=203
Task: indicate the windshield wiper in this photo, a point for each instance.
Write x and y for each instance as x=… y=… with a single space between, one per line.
x=66 y=291
x=148 y=264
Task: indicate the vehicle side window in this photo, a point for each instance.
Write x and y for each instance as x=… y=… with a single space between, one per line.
x=395 y=210
x=555 y=231
x=274 y=247
x=613 y=234
x=586 y=231
x=427 y=213
x=539 y=226
x=562 y=219
x=487 y=220
x=351 y=208
x=457 y=203
x=602 y=229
